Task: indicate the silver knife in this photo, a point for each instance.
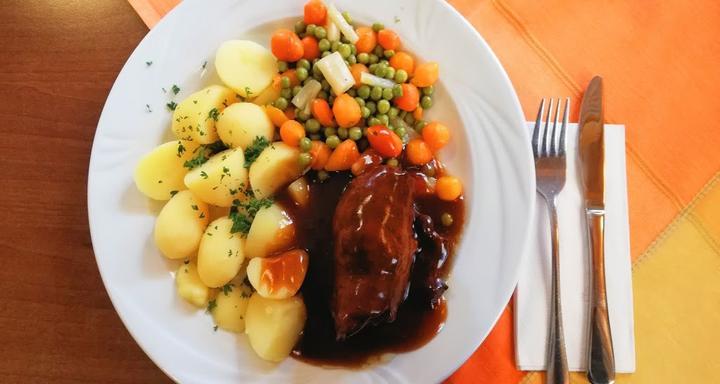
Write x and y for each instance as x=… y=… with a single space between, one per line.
x=591 y=148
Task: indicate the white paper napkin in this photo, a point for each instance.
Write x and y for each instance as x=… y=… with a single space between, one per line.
x=532 y=299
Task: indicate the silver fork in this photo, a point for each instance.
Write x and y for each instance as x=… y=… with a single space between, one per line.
x=548 y=144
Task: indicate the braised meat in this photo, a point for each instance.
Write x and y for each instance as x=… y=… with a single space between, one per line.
x=374 y=249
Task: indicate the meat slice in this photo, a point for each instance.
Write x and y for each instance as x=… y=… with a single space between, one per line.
x=374 y=249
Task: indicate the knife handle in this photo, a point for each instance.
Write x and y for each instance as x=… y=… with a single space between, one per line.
x=601 y=361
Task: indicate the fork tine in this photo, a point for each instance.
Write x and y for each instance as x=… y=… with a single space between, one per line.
x=554 y=134
x=545 y=146
x=566 y=114
x=536 y=130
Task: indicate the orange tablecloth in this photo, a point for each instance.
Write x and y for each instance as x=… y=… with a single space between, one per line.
x=661 y=64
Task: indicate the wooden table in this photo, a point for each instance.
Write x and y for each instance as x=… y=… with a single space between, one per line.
x=58 y=60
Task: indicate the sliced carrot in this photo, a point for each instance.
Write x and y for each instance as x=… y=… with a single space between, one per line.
x=418 y=152
x=448 y=188
x=276 y=115
x=291 y=132
x=386 y=142
x=367 y=40
x=320 y=153
x=322 y=113
x=343 y=156
x=346 y=110
x=404 y=61
x=290 y=113
x=286 y=45
x=410 y=98
x=418 y=113
x=315 y=12
x=292 y=75
x=357 y=71
x=436 y=135
x=426 y=74
x=388 y=39
x=310 y=48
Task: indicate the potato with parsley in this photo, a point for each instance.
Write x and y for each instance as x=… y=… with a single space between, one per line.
x=272 y=230
x=180 y=225
x=276 y=167
x=194 y=118
x=190 y=287
x=274 y=326
x=221 y=179
x=162 y=171
x=221 y=253
x=230 y=306
x=241 y=123
x=245 y=66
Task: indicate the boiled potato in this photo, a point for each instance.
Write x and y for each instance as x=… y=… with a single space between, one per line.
x=240 y=123
x=190 y=287
x=278 y=277
x=270 y=94
x=218 y=212
x=194 y=118
x=161 y=171
x=220 y=254
x=271 y=231
x=245 y=66
x=180 y=225
x=231 y=303
x=299 y=191
x=276 y=167
x=274 y=326
x=221 y=179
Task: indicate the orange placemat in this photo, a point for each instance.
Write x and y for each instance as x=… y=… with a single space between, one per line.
x=660 y=64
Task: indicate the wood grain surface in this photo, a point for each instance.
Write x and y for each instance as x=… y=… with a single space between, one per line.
x=58 y=61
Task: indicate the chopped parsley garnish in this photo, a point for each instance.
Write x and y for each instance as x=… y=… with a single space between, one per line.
x=148 y=63
x=203 y=153
x=215 y=328
x=211 y=305
x=243 y=213
x=202 y=215
x=180 y=149
x=203 y=174
x=253 y=151
x=204 y=64
x=248 y=92
x=173 y=193
x=227 y=288
x=213 y=114
x=397 y=19
x=147 y=108
x=175 y=89
x=171 y=105
x=194 y=207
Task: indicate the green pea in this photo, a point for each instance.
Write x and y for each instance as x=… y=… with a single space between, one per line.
x=392 y=162
x=347 y=17
x=332 y=141
x=373 y=121
x=365 y=112
x=384 y=62
x=320 y=32
x=352 y=60
x=330 y=131
x=390 y=73
x=342 y=133
x=426 y=102
x=363 y=92
x=322 y=175
x=376 y=93
x=300 y=27
x=393 y=112
x=355 y=133
x=312 y=126
x=303 y=63
x=316 y=70
x=344 y=39
x=397 y=91
x=286 y=93
x=324 y=45
x=301 y=74
x=378 y=51
x=281 y=103
x=427 y=91
x=334 y=46
x=419 y=125
x=325 y=85
x=380 y=71
x=401 y=76
x=310 y=29
x=388 y=94
x=371 y=106
x=383 y=106
x=302 y=115
x=304 y=159
x=315 y=137
x=372 y=59
x=388 y=53
x=363 y=58
x=351 y=92
x=296 y=89
x=285 y=82
x=384 y=120
x=282 y=66
x=446 y=219
x=372 y=68
x=322 y=95
x=325 y=54
x=305 y=144
x=409 y=119
x=360 y=101
x=377 y=27
x=345 y=51
x=401 y=131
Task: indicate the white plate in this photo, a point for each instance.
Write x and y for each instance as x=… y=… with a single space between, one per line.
x=489 y=151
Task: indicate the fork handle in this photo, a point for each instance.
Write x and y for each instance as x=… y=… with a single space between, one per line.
x=601 y=361
x=557 y=367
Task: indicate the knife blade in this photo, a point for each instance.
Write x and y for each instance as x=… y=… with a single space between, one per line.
x=591 y=151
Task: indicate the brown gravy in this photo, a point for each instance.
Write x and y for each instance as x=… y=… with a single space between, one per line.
x=416 y=323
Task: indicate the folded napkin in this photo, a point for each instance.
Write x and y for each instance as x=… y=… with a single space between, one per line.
x=532 y=298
